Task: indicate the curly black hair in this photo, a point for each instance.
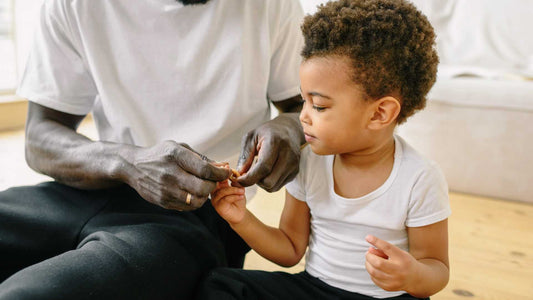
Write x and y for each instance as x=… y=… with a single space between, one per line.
x=390 y=43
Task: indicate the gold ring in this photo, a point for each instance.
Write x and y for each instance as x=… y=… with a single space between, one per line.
x=188 y=200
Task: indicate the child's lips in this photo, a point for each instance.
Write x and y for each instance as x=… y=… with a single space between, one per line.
x=309 y=137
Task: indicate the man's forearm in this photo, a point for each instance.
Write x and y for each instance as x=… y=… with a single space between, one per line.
x=71 y=158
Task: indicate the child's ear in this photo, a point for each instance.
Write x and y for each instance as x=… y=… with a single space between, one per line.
x=385 y=111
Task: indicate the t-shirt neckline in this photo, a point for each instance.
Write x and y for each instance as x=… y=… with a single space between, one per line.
x=398 y=151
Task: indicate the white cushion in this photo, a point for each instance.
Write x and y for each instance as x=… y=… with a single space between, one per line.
x=480 y=133
x=504 y=94
x=491 y=34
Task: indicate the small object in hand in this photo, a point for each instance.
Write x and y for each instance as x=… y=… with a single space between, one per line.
x=234 y=173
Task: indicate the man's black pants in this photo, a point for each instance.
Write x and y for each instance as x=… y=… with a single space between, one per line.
x=58 y=242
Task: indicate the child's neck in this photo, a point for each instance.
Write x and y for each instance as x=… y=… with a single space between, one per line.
x=357 y=174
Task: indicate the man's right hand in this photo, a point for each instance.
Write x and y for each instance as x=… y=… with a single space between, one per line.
x=165 y=173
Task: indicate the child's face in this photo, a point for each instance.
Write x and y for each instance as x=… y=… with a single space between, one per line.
x=335 y=114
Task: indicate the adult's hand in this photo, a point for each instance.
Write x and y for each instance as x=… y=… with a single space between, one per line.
x=276 y=144
x=165 y=173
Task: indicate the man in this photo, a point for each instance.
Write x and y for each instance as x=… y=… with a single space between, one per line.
x=173 y=86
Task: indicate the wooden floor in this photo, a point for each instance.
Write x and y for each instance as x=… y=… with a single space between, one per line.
x=491 y=241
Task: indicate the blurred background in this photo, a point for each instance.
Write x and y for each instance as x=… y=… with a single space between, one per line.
x=477 y=125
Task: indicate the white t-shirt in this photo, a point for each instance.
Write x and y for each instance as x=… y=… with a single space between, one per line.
x=155 y=70
x=414 y=195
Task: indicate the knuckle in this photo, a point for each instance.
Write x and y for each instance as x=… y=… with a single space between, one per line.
x=247 y=138
x=378 y=264
x=206 y=171
x=165 y=177
x=179 y=149
x=205 y=189
x=168 y=150
x=249 y=135
x=263 y=170
x=182 y=146
x=267 y=185
x=168 y=144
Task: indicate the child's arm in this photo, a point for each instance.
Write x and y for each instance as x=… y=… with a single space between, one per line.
x=285 y=245
x=421 y=272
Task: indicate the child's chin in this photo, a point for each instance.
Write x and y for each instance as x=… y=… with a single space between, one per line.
x=319 y=150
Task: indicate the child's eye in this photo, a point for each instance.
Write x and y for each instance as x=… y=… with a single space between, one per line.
x=318 y=108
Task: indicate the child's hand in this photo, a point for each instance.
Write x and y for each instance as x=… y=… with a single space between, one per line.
x=390 y=268
x=229 y=202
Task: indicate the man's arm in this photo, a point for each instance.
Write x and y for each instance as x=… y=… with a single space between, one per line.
x=276 y=144
x=54 y=148
x=161 y=174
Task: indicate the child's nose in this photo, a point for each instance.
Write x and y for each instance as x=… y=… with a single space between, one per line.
x=304 y=116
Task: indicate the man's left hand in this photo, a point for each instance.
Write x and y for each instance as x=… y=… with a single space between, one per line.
x=276 y=144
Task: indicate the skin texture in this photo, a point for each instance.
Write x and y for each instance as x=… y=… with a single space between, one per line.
x=339 y=119
x=164 y=173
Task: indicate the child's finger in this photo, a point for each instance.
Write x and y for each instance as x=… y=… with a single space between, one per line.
x=376 y=273
x=384 y=246
x=378 y=262
x=232 y=198
x=221 y=193
x=377 y=252
x=222 y=184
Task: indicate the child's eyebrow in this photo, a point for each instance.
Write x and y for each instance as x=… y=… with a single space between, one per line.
x=314 y=94
x=319 y=95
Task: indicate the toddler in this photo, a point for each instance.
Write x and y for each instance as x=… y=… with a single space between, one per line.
x=368 y=208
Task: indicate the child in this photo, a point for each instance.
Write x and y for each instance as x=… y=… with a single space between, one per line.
x=371 y=209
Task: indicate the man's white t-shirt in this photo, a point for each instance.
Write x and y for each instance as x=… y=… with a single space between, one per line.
x=157 y=70
x=415 y=194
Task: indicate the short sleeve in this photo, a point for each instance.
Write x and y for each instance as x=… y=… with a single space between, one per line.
x=297 y=186
x=284 y=80
x=56 y=75
x=429 y=201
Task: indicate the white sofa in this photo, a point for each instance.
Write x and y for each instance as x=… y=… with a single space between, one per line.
x=478 y=123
